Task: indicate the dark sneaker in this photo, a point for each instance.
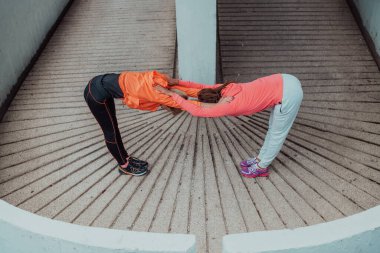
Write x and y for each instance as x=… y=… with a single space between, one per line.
x=137 y=162
x=134 y=170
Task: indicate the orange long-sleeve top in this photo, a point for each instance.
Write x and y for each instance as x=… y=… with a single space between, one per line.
x=139 y=93
x=249 y=98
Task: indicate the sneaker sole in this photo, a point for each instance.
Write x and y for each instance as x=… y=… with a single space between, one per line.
x=254 y=175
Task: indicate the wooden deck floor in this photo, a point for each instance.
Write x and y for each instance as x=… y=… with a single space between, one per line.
x=53 y=160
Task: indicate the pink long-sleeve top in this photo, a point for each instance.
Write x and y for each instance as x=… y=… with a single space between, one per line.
x=249 y=98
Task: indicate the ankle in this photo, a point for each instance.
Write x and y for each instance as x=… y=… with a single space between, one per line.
x=260 y=167
x=125 y=165
x=258 y=163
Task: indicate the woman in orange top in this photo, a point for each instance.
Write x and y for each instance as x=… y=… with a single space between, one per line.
x=136 y=89
x=280 y=92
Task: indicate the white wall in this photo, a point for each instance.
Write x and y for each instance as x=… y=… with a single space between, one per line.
x=196 y=36
x=23 y=26
x=370 y=13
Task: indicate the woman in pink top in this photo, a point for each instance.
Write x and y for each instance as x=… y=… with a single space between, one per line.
x=280 y=92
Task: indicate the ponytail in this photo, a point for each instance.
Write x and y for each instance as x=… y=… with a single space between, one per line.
x=210 y=95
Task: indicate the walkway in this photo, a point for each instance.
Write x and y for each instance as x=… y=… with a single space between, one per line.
x=53 y=160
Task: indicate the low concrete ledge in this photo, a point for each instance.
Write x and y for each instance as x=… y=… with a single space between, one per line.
x=21 y=231
x=353 y=234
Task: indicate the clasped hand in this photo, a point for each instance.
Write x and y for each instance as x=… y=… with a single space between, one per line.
x=223 y=100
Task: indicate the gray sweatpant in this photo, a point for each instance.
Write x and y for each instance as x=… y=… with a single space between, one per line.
x=281 y=120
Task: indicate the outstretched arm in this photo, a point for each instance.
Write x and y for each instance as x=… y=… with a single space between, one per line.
x=167 y=100
x=191 y=92
x=202 y=109
x=165 y=81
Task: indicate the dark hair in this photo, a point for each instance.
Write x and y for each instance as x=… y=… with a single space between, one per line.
x=210 y=95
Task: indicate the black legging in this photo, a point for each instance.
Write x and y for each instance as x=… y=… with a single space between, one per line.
x=99 y=95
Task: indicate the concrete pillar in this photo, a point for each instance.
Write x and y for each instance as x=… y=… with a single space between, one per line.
x=369 y=13
x=196 y=37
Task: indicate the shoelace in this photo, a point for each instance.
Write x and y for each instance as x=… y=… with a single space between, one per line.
x=252 y=161
x=255 y=169
x=135 y=160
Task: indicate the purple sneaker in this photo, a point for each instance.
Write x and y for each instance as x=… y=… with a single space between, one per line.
x=254 y=171
x=248 y=162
